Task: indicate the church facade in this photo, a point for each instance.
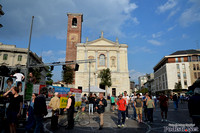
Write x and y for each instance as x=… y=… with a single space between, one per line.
x=107 y=53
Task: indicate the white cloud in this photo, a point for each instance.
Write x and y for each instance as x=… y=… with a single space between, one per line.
x=135 y=20
x=190 y=15
x=135 y=74
x=167 y=6
x=171 y=28
x=47 y=53
x=61 y=59
x=130 y=8
x=154 y=42
x=62 y=52
x=51 y=18
x=156 y=35
x=172 y=13
x=185 y=36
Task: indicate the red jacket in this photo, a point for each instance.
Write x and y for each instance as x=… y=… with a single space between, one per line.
x=121 y=104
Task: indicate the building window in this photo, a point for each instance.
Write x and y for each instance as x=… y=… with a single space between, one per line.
x=179 y=75
x=195 y=75
x=189 y=58
x=185 y=82
x=184 y=75
x=198 y=67
x=194 y=58
x=199 y=58
x=102 y=60
x=19 y=58
x=198 y=74
x=176 y=59
x=183 y=66
x=182 y=59
x=177 y=66
x=74 y=22
x=5 y=56
x=194 y=67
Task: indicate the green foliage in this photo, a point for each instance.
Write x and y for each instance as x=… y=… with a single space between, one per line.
x=68 y=75
x=105 y=76
x=178 y=86
x=37 y=75
x=143 y=91
x=49 y=75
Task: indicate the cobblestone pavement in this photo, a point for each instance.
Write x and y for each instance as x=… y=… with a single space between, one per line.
x=110 y=122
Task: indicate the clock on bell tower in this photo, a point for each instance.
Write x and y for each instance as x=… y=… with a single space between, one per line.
x=74 y=29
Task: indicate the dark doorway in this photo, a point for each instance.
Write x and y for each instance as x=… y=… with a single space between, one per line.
x=114 y=91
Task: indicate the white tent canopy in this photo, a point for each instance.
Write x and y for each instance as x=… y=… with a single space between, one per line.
x=94 y=89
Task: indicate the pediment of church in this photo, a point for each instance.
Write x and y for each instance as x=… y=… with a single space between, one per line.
x=102 y=42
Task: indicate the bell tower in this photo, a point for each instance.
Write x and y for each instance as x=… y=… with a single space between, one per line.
x=74 y=30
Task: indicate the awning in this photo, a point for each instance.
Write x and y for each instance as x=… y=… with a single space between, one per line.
x=94 y=89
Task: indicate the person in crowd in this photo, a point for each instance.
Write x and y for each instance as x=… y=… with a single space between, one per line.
x=164 y=103
x=100 y=105
x=91 y=100
x=155 y=101
x=83 y=103
x=9 y=82
x=70 y=111
x=134 y=110
x=31 y=119
x=121 y=111
x=126 y=97
x=112 y=99
x=138 y=103
x=14 y=108
x=32 y=78
x=40 y=110
x=108 y=97
x=150 y=107
x=19 y=76
x=175 y=100
x=193 y=104
x=19 y=86
x=55 y=105
x=145 y=97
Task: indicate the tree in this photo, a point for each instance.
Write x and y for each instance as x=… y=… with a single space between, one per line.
x=49 y=75
x=143 y=91
x=37 y=74
x=105 y=76
x=68 y=75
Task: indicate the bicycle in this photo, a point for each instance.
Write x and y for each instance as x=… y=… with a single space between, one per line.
x=81 y=118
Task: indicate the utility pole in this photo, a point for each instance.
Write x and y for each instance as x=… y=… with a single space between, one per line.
x=28 y=55
x=89 y=75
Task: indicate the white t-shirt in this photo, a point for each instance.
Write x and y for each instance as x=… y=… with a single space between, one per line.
x=18 y=76
x=126 y=98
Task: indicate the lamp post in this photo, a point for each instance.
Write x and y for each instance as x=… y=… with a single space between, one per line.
x=89 y=75
x=27 y=62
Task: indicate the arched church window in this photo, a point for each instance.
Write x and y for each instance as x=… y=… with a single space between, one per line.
x=74 y=22
x=102 y=60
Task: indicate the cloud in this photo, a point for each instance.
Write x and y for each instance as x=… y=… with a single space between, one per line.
x=61 y=59
x=156 y=35
x=135 y=74
x=47 y=53
x=167 y=6
x=51 y=18
x=190 y=15
x=185 y=36
x=172 y=13
x=135 y=20
x=154 y=42
x=171 y=28
x=62 y=52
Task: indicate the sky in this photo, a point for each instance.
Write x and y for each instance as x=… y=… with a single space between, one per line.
x=152 y=29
